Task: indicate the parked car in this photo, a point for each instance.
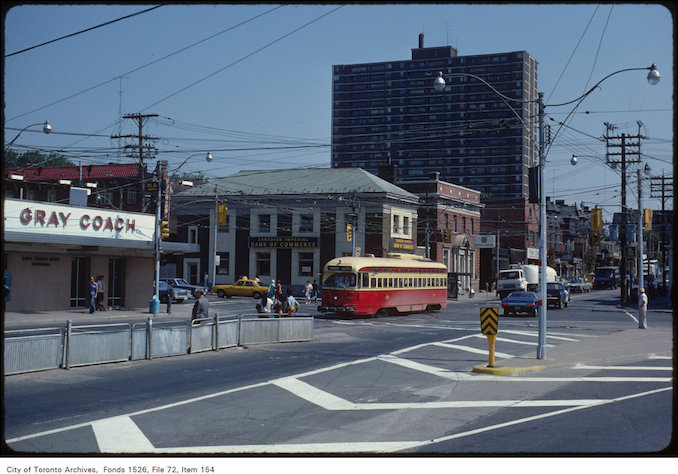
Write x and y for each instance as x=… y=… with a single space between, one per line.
x=579 y=285
x=520 y=302
x=242 y=287
x=181 y=283
x=180 y=294
x=556 y=294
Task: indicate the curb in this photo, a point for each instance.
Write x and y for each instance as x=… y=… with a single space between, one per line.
x=484 y=369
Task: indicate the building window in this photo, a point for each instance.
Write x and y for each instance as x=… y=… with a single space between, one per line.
x=447 y=221
x=131 y=196
x=406 y=225
x=193 y=234
x=224 y=263
x=51 y=195
x=306 y=264
x=263 y=263
x=396 y=224
x=265 y=224
x=306 y=223
x=30 y=194
x=463 y=225
x=454 y=224
x=471 y=226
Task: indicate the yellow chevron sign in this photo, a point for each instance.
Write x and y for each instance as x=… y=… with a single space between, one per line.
x=489 y=320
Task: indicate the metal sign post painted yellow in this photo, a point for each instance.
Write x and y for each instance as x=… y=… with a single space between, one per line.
x=489 y=325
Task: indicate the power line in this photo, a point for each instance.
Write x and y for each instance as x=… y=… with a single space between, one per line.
x=83 y=31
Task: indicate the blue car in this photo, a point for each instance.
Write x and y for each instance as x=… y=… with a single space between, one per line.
x=520 y=302
x=181 y=283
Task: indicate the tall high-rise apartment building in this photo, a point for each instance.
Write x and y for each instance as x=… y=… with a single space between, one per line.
x=389 y=112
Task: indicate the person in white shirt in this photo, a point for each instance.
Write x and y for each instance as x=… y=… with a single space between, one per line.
x=264 y=304
x=642 y=309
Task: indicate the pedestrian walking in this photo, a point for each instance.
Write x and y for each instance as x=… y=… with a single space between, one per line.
x=315 y=290
x=308 y=291
x=101 y=290
x=206 y=280
x=170 y=299
x=642 y=309
x=92 y=295
x=271 y=290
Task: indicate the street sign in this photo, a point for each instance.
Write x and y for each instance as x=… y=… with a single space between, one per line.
x=489 y=320
x=489 y=324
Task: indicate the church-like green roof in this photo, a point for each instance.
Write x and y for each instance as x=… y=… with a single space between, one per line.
x=299 y=181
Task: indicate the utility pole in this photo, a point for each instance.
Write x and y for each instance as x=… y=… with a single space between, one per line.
x=662 y=187
x=140 y=119
x=629 y=152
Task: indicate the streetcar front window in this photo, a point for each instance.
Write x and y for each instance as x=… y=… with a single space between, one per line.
x=340 y=280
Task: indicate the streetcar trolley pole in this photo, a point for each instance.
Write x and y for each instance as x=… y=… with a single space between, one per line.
x=489 y=325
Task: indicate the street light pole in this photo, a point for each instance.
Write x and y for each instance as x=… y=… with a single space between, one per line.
x=541 y=347
x=439 y=85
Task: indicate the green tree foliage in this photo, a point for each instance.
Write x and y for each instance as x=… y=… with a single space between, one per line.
x=12 y=159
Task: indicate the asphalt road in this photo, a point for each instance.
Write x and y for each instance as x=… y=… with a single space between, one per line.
x=400 y=384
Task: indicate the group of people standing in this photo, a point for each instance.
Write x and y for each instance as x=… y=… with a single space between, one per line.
x=282 y=303
x=97 y=291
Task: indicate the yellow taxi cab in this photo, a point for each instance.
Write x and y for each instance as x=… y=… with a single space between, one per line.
x=242 y=287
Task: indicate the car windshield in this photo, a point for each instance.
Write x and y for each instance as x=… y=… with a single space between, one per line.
x=340 y=280
x=181 y=282
x=520 y=294
x=509 y=275
x=553 y=286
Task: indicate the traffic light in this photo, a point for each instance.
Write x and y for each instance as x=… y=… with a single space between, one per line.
x=221 y=213
x=349 y=232
x=164 y=230
x=447 y=235
x=597 y=219
x=596 y=238
x=647 y=219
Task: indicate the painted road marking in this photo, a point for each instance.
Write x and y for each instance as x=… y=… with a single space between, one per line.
x=619 y=367
x=503 y=355
x=515 y=341
x=120 y=435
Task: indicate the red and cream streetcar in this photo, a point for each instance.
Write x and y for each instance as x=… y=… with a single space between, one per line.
x=374 y=285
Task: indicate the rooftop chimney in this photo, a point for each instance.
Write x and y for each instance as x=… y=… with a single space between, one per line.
x=421 y=40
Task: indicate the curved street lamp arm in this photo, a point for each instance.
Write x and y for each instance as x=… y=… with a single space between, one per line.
x=586 y=94
x=46 y=128
x=505 y=98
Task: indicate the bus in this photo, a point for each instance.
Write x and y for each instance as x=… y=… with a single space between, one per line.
x=369 y=285
x=606 y=277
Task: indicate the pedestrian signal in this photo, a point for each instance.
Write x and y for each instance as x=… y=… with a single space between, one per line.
x=349 y=232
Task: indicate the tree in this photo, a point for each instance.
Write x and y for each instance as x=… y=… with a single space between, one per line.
x=12 y=159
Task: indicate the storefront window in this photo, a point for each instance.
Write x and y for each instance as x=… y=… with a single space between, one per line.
x=305 y=264
x=263 y=263
x=223 y=267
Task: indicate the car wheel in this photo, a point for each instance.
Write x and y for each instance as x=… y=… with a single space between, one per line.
x=256 y=295
x=220 y=293
x=533 y=313
x=180 y=300
x=560 y=304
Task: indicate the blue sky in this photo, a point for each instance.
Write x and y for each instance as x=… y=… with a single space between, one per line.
x=258 y=94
